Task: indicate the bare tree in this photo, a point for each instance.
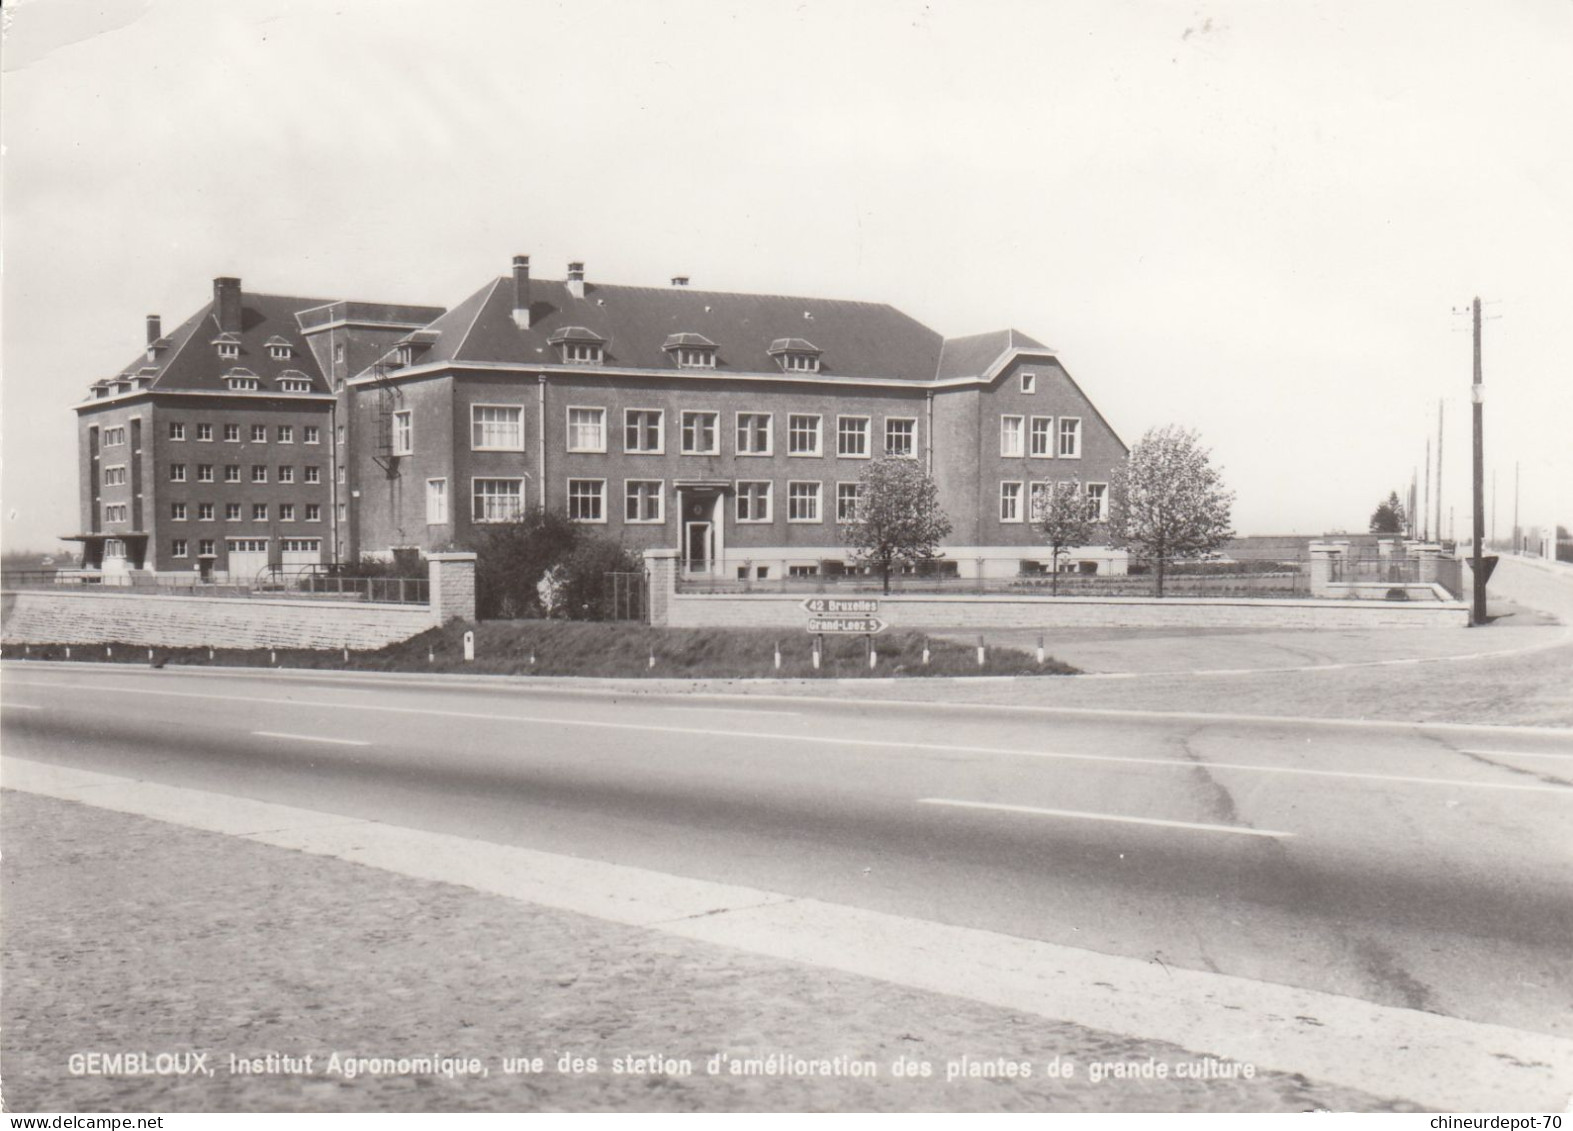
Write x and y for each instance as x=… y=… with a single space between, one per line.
x=1168 y=501
x=898 y=516
x=1063 y=518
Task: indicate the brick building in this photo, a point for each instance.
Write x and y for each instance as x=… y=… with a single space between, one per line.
x=731 y=427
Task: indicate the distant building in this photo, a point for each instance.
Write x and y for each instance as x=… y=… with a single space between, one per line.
x=271 y=431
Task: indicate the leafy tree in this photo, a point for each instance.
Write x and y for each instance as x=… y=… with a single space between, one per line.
x=898 y=516
x=585 y=591
x=1389 y=517
x=1063 y=519
x=512 y=557
x=1168 y=501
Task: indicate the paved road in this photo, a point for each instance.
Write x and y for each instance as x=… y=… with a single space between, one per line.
x=1417 y=867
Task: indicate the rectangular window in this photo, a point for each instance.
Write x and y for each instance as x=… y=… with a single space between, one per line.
x=1029 y=383
x=403 y=432
x=232 y=433
x=1010 y=435
x=286 y=512
x=312 y=474
x=259 y=473
x=642 y=501
x=701 y=434
x=232 y=473
x=1010 y=502
x=302 y=545
x=852 y=437
x=342 y=476
x=259 y=433
x=259 y=512
x=177 y=512
x=802 y=502
x=436 y=502
x=115 y=476
x=115 y=512
x=753 y=501
x=339 y=436
x=204 y=473
x=753 y=434
x=1038 y=498
x=587 y=429
x=313 y=512
x=207 y=547
x=231 y=512
x=587 y=500
x=177 y=548
x=343 y=511
x=803 y=435
x=642 y=431
x=1041 y=437
x=177 y=473
x=1070 y=437
x=204 y=512
x=901 y=436
x=494 y=500
x=286 y=474
x=311 y=434
x=286 y=433
x=1097 y=501
x=205 y=433
x=848 y=495
x=113 y=437
x=177 y=431
x=496 y=428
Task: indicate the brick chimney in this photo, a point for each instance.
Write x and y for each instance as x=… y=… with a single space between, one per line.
x=155 y=328
x=226 y=304
x=521 y=291
x=679 y=280
x=576 y=279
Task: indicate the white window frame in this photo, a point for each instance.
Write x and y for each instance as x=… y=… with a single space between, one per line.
x=437 y=502
x=1040 y=492
x=311 y=473
x=228 y=351
x=204 y=473
x=232 y=433
x=1012 y=497
x=259 y=433
x=660 y=432
x=177 y=473
x=242 y=384
x=866 y=431
x=259 y=473
x=294 y=385
x=715 y=431
x=115 y=475
x=768 y=497
x=177 y=512
x=569 y=438
x=695 y=357
x=286 y=512
x=285 y=433
x=259 y=512
x=794 y=362
x=280 y=353
x=659 y=495
x=1029 y=382
x=517 y=425
x=177 y=431
x=207 y=547
x=204 y=433
x=1008 y=449
x=599 y=498
x=816 y=497
x=178 y=547
x=313 y=512
x=1097 y=502
x=286 y=473
x=770 y=433
x=311 y=433
x=476 y=499
x=1074 y=435
x=205 y=512
x=912 y=452
x=404 y=432
x=233 y=512
x=817 y=434
x=581 y=353
x=232 y=473
x=114 y=436
x=1047 y=433
x=856 y=496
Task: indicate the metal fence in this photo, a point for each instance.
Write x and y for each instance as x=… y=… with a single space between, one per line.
x=1288 y=578
x=626 y=594
x=269 y=583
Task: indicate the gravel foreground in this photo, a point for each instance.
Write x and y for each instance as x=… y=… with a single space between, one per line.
x=124 y=934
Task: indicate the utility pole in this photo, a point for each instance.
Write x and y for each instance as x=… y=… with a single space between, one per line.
x=1515 y=507
x=1425 y=503
x=1477 y=566
x=1439 y=469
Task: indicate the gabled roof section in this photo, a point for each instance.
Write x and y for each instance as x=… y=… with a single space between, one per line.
x=576 y=334
x=687 y=341
x=793 y=345
x=971 y=356
x=855 y=339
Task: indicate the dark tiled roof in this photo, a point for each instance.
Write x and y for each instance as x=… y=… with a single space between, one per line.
x=971 y=355
x=857 y=339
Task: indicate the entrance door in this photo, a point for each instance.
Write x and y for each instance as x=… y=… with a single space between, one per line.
x=698 y=547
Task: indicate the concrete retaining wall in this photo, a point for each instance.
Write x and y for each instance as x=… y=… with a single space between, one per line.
x=49 y=617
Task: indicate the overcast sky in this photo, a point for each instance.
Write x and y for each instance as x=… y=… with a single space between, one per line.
x=1253 y=219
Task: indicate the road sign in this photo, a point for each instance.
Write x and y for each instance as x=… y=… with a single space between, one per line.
x=841 y=605
x=858 y=625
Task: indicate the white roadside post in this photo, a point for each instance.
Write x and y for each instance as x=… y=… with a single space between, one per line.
x=469 y=646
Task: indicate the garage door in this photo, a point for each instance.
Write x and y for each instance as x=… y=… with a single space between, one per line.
x=248 y=557
x=301 y=552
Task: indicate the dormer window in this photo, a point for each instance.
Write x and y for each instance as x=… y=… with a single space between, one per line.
x=279 y=349
x=404 y=355
x=228 y=346
x=294 y=381
x=691 y=351
x=579 y=346
x=241 y=380
x=796 y=355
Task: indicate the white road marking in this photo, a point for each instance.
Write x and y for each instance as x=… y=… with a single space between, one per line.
x=827 y=740
x=1080 y=816
x=1512 y=754
x=19 y=707
x=729 y=710
x=310 y=738
x=1432 y=1059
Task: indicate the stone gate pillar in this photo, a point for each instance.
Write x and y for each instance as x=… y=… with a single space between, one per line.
x=452 y=581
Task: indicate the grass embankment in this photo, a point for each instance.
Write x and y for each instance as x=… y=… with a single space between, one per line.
x=579 y=648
